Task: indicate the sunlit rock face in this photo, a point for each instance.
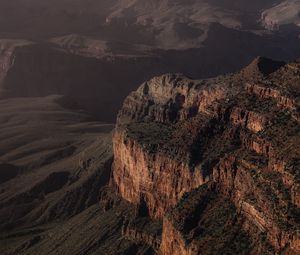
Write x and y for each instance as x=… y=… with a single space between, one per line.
x=157 y=180
x=226 y=150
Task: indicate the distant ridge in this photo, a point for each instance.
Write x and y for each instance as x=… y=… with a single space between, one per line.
x=261 y=66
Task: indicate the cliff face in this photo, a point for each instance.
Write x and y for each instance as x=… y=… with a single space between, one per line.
x=170 y=98
x=155 y=179
x=226 y=150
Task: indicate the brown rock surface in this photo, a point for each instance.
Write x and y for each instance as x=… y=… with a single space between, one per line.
x=225 y=150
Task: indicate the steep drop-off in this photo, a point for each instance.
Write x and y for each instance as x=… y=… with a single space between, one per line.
x=217 y=160
x=200 y=167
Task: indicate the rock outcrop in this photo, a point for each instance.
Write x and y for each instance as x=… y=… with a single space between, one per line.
x=216 y=160
x=159 y=182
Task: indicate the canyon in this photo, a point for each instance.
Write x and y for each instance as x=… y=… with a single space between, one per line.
x=76 y=50
x=216 y=161
x=83 y=68
x=139 y=127
x=207 y=166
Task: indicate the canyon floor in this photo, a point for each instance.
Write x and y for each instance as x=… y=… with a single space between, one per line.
x=54 y=160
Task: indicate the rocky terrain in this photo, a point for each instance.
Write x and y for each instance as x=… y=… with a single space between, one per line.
x=55 y=165
x=216 y=160
x=287 y=12
x=84 y=68
x=76 y=48
x=165 y=24
x=196 y=167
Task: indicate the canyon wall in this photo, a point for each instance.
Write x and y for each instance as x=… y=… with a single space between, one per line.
x=155 y=179
x=225 y=149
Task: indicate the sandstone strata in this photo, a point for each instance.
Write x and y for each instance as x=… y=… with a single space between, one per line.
x=191 y=152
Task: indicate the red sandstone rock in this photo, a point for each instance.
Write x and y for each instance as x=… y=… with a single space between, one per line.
x=175 y=135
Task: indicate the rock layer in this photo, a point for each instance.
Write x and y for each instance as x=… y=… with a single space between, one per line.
x=225 y=149
x=159 y=182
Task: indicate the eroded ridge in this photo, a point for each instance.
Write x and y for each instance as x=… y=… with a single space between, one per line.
x=216 y=160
